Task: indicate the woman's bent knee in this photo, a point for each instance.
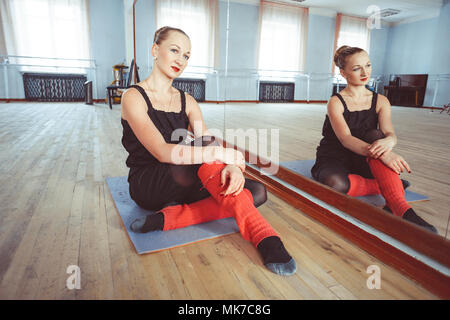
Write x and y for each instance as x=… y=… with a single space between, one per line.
x=338 y=182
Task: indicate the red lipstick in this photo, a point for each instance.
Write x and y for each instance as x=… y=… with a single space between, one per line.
x=175 y=69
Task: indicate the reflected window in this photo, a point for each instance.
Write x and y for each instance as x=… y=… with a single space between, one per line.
x=198 y=19
x=351 y=31
x=282 y=44
x=47 y=29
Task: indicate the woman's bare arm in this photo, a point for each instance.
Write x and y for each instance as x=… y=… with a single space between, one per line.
x=134 y=111
x=198 y=126
x=379 y=147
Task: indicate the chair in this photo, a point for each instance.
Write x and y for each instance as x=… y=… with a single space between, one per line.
x=446 y=108
x=112 y=90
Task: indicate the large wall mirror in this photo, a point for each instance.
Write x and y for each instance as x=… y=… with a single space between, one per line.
x=279 y=76
x=263 y=73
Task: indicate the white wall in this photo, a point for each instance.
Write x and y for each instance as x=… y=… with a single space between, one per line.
x=107 y=40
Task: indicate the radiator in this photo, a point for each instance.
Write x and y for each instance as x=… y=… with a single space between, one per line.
x=276 y=91
x=195 y=87
x=54 y=87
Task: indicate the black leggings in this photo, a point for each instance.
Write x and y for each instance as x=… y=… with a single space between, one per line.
x=335 y=175
x=181 y=185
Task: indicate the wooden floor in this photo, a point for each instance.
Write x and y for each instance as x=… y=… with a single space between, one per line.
x=57 y=211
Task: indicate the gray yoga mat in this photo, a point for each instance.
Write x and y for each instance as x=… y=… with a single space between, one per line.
x=162 y=240
x=303 y=167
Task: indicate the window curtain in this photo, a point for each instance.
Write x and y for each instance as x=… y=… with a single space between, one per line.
x=198 y=18
x=282 y=39
x=351 y=31
x=47 y=29
x=9 y=43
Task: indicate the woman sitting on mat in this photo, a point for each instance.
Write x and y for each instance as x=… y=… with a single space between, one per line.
x=355 y=154
x=186 y=184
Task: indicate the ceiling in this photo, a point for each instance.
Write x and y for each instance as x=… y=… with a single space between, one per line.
x=410 y=10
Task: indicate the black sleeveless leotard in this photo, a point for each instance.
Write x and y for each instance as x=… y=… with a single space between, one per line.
x=332 y=154
x=151 y=182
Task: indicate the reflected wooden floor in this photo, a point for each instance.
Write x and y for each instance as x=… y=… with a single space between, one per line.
x=56 y=211
x=423 y=140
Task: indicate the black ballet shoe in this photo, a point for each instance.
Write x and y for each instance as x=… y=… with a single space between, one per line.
x=411 y=216
x=405 y=184
x=152 y=222
x=283 y=269
x=386 y=208
x=275 y=257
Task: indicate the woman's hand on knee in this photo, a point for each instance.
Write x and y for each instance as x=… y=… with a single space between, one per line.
x=380 y=146
x=232 y=175
x=395 y=162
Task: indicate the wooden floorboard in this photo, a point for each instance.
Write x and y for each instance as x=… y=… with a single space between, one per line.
x=57 y=211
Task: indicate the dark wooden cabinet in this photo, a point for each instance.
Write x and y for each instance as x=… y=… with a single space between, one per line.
x=406 y=89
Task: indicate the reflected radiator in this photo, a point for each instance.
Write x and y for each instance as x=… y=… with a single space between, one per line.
x=51 y=87
x=276 y=91
x=195 y=87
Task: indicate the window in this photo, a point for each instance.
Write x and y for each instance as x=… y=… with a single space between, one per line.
x=351 y=31
x=48 y=29
x=282 y=42
x=198 y=19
